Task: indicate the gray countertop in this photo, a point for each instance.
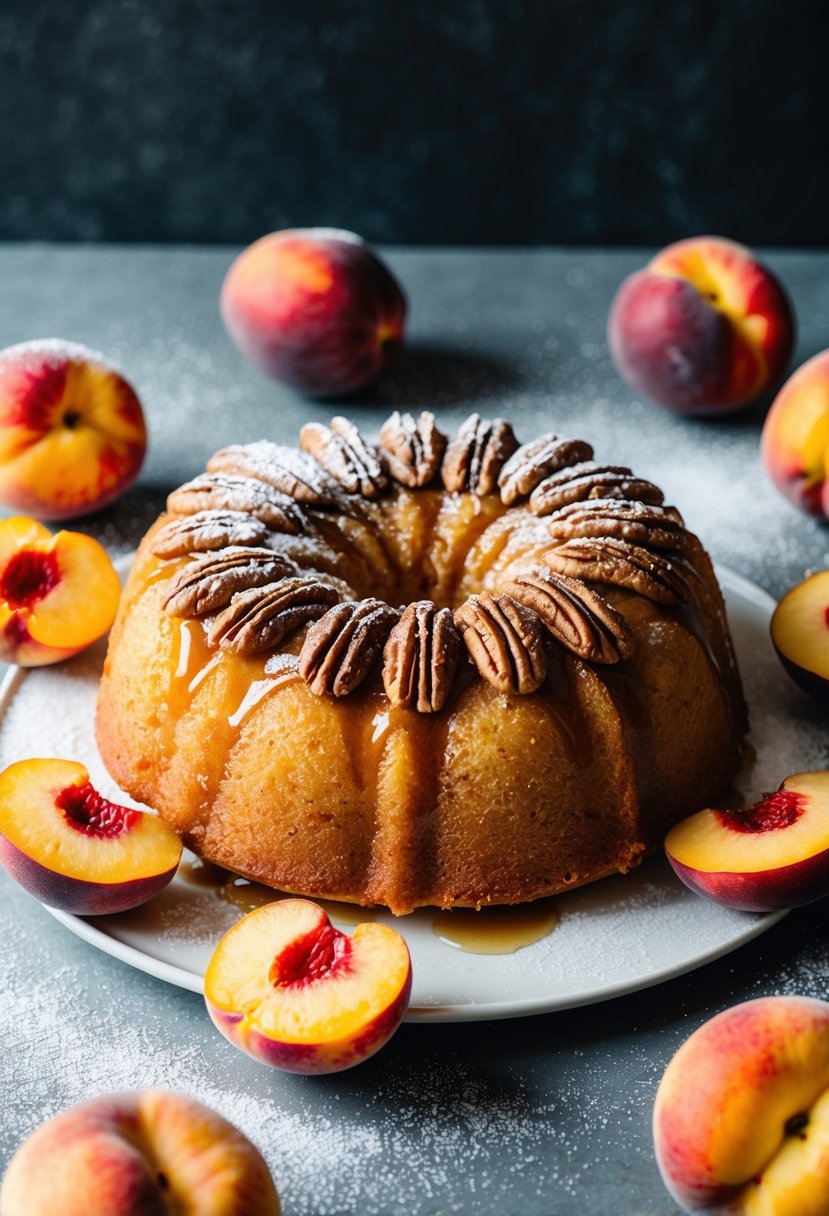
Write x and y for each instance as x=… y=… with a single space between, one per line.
x=548 y=1116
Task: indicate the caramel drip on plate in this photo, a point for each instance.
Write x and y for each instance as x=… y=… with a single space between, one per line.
x=241 y=893
x=496 y=930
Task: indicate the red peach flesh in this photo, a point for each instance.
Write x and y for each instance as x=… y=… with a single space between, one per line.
x=89 y=812
x=778 y=810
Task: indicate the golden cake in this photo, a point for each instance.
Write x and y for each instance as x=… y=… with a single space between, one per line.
x=421 y=671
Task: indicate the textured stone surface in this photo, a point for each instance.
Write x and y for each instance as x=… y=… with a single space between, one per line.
x=547 y=1117
x=471 y=122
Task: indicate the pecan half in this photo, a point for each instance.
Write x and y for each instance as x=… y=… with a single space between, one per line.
x=607 y=560
x=504 y=642
x=421 y=657
x=475 y=457
x=208 y=583
x=230 y=492
x=528 y=467
x=261 y=617
x=341 y=450
x=637 y=522
x=575 y=615
x=287 y=470
x=588 y=480
x=340 y=649
x=206 y=531
x=413 y=450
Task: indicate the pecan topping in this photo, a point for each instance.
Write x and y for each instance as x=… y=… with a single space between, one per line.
x=287 y=470
x=475 y=457
x=261 y=617
x=340 y=649
x=528 y=467
x=607 y=560
x=504 y=642
x=228 y=492
x=413 y=450
x=341 y=450
x=575 y=615
x=588 y=480
x=637 y=522
x=421 y=657
x=206 y=531
x=208 y=583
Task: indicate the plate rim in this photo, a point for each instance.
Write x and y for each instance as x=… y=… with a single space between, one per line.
x=86 y=929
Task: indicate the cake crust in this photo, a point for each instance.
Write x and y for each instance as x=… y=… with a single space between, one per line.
x=422 y=695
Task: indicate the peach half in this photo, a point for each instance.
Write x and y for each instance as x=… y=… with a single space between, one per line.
x=315 y=308
x=705 y=328
x=58 y=593
x=75 y=850
x=156 y=1153
x=72 y=432
x=800 y=634
x=741 y=1119
x=774 y=855
x=795 y=442
x=294 y=992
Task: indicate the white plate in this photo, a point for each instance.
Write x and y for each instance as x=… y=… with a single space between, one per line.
x=614 y=937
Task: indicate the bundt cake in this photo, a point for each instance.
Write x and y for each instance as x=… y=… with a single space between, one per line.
x=421 y=672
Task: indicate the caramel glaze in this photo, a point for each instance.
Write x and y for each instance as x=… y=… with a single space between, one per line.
x=496 y=930
x=241 y=893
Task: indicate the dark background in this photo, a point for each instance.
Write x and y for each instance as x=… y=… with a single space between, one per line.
x=440 y=121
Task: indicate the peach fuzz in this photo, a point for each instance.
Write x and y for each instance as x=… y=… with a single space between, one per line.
x=73 y=849
x=772 y=856
x=155 y=1153
x=741 y=1120
x=72 y=432
x=315 y=308
x=705 y=328
x=58 y=593
x=800 y=635
x=292 y=991
x=795 y=441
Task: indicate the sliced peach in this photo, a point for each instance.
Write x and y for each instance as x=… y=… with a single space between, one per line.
x=774 y=855
x=800 y=633
x=292 y=991
x=75 y=850
x=72 y=433
x=58 y=593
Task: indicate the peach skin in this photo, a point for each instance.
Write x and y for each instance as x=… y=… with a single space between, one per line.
x=315 y=308
x=292 y=991
x=741 y=1120
x=58 y=593
x=156 y=1153
x=705 y=328
x=774 y=855
x=72 y=432
x=75 y=850
x=795 y=442
x=800 y=635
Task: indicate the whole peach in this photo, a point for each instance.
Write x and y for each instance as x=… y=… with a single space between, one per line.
x=741 y=1120
x=138 y=1154
x=705 y=328
x=795 y=442
x=72 y=432
x=315 y=308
